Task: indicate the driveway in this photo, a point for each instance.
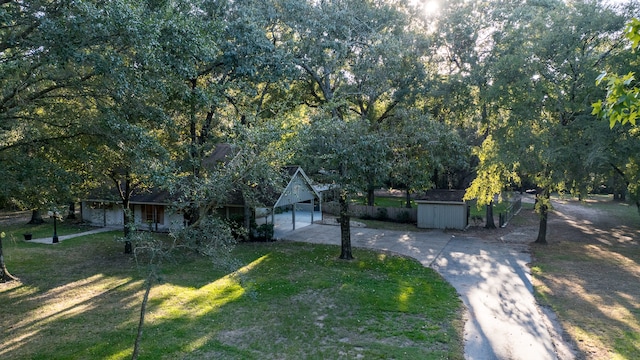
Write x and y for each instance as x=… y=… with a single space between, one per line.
x=493 y=279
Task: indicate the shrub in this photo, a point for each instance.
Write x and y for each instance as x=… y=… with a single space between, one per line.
x=264 y=232
x=382 y=214
x=211 y=236
x=403 y=217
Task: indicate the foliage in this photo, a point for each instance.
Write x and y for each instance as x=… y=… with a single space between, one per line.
x=138 y=94
x=264 y=232
x=540 y=71
x=422 y=147
x=622 y=103
x=492 y=174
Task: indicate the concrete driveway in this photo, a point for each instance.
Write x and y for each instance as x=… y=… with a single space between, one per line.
x=493 y=280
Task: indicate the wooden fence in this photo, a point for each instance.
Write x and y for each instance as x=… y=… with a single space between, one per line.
x=374 y=212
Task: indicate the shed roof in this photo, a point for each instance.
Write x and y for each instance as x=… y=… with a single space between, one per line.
x=443 y=195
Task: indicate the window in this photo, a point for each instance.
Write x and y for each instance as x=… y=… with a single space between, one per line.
x=153 y=214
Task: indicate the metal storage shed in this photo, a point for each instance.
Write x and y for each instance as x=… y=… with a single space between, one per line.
x=443 y=209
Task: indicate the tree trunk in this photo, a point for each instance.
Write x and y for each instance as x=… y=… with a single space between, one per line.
x=72 y=211
x=36 y=218
x=489 y=214
x=408 y=198
x=345 y=227
x=143 y=311
x=371 y=195
x=128 y=219
x=246 y=212
x=542 y=229
x=4 y=273
x=544 y=215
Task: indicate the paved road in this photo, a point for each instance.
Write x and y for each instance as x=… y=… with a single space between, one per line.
x=492 y=278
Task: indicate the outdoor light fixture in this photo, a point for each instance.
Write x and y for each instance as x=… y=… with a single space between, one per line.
x=55 y=227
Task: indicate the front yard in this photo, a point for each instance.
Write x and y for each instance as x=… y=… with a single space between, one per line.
x=80 y=299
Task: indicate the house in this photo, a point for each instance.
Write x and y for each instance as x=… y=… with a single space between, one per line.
x=151 y=211
x=443 y=209
x=293 y=204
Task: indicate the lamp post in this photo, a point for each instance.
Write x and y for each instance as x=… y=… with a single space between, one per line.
x=55 y=225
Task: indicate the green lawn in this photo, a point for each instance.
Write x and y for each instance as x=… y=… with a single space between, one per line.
x=80 y=299
x=386 y=201
x=65 y=227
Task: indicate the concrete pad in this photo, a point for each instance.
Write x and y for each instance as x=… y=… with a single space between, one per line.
x=283 y=222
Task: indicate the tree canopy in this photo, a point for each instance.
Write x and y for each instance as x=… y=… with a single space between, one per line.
x=366 y=94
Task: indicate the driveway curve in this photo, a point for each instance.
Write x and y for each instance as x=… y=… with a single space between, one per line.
x=493 y=279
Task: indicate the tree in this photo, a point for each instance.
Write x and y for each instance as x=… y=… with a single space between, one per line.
x=327 y=149
x=622 y=103
x=4 y=273
x=422 y=147
x=358 y=62
x=64 y=66
x=492 y=175
x=545 y=56
x=466 y=43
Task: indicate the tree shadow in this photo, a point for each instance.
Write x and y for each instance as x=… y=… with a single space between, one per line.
x=589 y=273
x=87 y=306
x=493 y=280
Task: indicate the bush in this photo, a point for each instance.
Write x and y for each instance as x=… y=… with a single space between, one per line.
x=382 y=214
x=403 y=217
x=264 y=232
x=211 y=236
x=366 y=216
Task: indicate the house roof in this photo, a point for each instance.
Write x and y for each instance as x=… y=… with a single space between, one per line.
x=157 y=197
x=223 y=153
x=296 y=186
x=443 y=195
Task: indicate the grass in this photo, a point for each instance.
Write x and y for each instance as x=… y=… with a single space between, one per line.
x=80 y=300
x=481 y=211
x=589 y=275
x=386 y=201
x=45 y=229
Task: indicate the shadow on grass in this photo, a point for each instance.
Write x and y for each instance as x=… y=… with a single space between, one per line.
x=595 y=293
x=589 y=275
x=81 y=299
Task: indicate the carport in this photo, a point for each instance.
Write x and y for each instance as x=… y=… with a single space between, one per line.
x=297 y=206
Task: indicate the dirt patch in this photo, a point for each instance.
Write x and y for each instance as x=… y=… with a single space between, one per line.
x=574 y=221
x=589 y=274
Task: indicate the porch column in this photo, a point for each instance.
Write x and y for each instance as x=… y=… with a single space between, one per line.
x=313 y=208
x=293 y=216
